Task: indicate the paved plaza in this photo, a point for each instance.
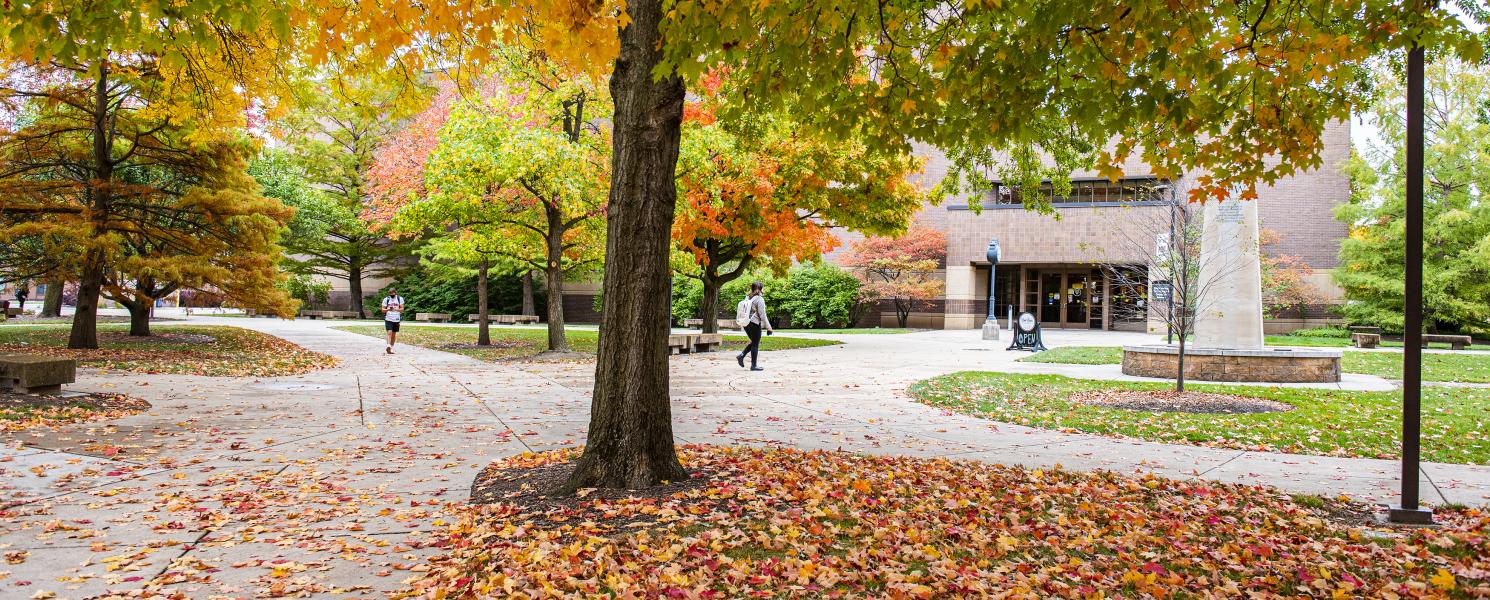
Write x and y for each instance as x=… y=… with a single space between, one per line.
x=335 y=481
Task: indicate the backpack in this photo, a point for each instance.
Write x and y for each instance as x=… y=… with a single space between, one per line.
x=742 y=312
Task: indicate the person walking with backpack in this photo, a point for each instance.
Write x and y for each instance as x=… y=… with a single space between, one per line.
x=393 y=314
x=751 y=314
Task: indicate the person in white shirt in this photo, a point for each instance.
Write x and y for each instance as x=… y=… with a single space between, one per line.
x=393 y=313
x=753 y=328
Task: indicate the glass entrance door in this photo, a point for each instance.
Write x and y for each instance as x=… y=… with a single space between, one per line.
x=1077 y=296
x=1052 y=295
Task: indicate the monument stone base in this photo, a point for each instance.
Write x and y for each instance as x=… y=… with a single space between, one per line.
x=1272 y=365
x=990 y=330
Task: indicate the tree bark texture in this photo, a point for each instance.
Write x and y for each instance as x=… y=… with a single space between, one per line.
x=630 y=441
x=528 y=307
x=709 y=305
x=554 y=271
x=51 y=305
x=139 y=317
x=483 y=330
x=354 y=289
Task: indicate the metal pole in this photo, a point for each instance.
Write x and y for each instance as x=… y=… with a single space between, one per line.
x=992 y=270
x=1412 y=317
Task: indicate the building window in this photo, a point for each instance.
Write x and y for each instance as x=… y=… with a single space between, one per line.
x=1133 y=190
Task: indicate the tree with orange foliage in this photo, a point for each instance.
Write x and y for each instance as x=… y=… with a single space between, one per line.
x=758 y=189
x=900 y=269
x=1284 y=280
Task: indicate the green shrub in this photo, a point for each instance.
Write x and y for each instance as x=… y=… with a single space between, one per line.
x=308 y=291
x=688 y=298
x=821 y=295
x=453 y=292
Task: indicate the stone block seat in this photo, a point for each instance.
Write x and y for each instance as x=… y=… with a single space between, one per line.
x=1275 y=365
x=707 y=342
x=505 y=319
x=1366 y=340
x=1365 y=329
x=723 y=323
x=433 y=317
x=32 y=374
x=1457 y=342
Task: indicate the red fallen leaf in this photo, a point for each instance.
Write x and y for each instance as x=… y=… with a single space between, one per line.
x=111 y=451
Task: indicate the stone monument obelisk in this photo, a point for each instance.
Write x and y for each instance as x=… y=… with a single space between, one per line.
x=1229 y=306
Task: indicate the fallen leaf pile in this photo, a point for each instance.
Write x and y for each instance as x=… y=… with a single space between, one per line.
x=217 y=351
x=788 y=523
x=19 y=412
x=1456 y=421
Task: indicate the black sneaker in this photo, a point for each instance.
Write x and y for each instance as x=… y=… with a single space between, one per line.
x=756 y=369
x=740 y=359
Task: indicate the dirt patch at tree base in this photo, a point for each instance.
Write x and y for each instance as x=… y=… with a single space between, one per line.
x=1185 y=402
x=170 y=337
x=533 y=493
x=496 y=345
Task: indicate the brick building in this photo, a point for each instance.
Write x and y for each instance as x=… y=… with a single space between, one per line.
x=1053 y=265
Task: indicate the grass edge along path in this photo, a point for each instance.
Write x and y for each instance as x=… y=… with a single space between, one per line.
x=520 y=342
x=793 y=523
x=1456 y=421
x=1462 y=367
x=210 y=350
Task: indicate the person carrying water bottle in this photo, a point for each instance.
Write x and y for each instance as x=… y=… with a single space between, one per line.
x=751 y=315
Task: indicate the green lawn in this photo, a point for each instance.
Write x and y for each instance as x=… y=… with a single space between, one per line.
x=184 y=349
x=1332 y=342
x=518 y=342
x=1467 y=367
x=1456 y=421
x=858 y=330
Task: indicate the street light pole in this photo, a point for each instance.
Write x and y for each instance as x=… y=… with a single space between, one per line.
x=991 y=324
x=1412 y=318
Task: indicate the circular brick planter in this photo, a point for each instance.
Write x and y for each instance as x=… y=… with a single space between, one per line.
x=1215 y=364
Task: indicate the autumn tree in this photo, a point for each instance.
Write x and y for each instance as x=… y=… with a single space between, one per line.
x=1213 y=88
x=114 y=87
x=1456 y=216
x=758 y=190
x=900 y=269
x=331 y=139
x=519 y=171
x=1285 y=280
x=217 y=233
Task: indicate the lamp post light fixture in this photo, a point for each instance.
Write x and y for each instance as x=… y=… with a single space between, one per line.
x=991 y=326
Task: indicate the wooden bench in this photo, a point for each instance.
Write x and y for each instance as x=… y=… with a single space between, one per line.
x=12 y=312
x=29 y=374
x=1364 y=329
x=1366 y=340
x=433 y=317
x=504 y=319
x=1457 y=342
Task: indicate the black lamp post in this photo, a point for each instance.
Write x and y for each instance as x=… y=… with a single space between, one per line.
x=993 y=261
x=991 y=325
x=1412 y=318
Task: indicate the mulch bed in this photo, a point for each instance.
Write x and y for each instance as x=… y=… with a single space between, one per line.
x=156 y=337
x=531 y=490
x=23 y=411
x=1186 y=402
x=495 y=345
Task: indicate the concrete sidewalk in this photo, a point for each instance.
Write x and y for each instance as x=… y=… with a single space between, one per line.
x=333 y=481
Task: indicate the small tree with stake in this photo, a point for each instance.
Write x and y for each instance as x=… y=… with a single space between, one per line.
x=1161 y=250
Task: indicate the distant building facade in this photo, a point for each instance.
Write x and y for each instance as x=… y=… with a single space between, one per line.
x=1059 y=266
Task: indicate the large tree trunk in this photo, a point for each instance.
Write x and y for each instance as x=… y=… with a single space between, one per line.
x=85 y=318
x=709 y=306
x=483 y=331
x=555 y=275
x=51 y=305
x=84 y=335
x=528 y=307
x=354 y=288
x=630 y=441
x=139 y=317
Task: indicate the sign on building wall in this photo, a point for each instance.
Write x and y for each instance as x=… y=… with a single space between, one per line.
x=1161 y=291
